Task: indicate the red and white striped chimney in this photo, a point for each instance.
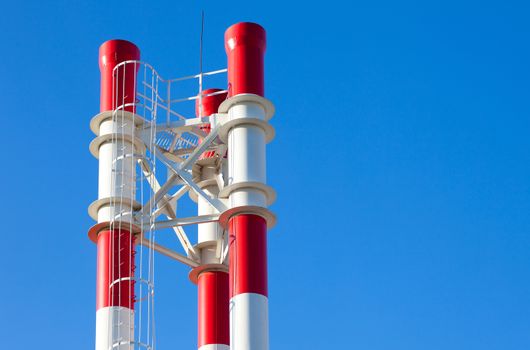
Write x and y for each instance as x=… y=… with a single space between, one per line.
x=211 y=276
x=248 y=195
x=115 y=242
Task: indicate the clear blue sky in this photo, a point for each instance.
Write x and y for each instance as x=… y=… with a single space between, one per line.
x=402 y=164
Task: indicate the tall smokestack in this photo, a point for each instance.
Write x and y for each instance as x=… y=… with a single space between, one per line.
x=249 y=196
x=116 y=192
x=211 y=276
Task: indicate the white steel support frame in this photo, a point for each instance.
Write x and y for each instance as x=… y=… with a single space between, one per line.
x=181 y=173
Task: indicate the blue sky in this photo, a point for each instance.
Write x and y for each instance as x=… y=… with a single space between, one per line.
x=401 y=162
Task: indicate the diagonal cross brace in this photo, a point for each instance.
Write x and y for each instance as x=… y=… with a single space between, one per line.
x=167 y=208
x=186 y=177
x=182 y=173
